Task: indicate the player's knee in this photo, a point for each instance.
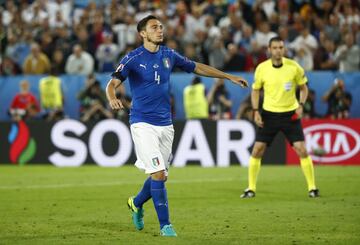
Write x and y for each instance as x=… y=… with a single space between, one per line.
x=159 y=175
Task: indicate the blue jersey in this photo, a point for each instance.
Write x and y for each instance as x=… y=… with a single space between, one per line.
x=149 y=80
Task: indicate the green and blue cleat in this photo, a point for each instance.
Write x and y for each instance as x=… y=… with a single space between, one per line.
x=137 y=214
x=168 y=230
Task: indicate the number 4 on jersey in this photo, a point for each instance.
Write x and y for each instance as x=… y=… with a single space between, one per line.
x=157 y=77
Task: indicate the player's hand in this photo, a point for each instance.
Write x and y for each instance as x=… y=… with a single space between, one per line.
x=240 y=81
x=258 y=119
x=116 y=104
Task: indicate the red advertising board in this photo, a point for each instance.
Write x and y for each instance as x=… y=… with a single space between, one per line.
x=330 y=142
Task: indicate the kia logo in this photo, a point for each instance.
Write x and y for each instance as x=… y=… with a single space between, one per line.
x=331 y=142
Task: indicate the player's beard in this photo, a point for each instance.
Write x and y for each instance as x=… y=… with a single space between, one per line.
x=155 y=41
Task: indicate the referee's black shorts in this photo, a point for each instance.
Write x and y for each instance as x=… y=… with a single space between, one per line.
x=275 y=122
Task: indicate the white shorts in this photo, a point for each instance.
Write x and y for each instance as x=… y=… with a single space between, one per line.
x=153 y=146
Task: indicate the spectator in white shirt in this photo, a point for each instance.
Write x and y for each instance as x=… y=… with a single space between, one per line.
x=107 y=53
x=79 y=62
x=348 y=55
x=305 y=46
x=264 y=34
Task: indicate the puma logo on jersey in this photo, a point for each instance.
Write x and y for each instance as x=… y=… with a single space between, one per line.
x=144 y=66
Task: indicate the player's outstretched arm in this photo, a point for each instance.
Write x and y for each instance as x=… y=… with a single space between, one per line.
x=208 y=71
x=114 y=102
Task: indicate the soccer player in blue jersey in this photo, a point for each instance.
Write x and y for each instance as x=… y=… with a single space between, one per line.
x=148 y=70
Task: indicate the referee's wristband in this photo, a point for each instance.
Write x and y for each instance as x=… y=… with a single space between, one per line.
x=302 y=104
x=255 y=109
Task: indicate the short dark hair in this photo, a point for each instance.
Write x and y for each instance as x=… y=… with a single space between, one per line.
x=142 y=23
x=275 y=39
x=196 y=80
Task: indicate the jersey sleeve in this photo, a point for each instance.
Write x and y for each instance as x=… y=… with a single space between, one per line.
x=300 y=75
x=123 y=69
x=258 y=84
x=183 y=63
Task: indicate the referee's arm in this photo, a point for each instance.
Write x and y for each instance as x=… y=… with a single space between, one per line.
x=255 y=97
x=303 y=93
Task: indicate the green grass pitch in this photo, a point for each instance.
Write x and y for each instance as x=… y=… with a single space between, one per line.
x=87 y=205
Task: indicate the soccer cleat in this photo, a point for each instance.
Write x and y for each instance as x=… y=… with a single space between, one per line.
x=167 y=230
x=248 y=194
x=314 y=193
x=137 y=214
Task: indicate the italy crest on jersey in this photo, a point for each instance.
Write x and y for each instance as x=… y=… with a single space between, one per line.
x=166 y=62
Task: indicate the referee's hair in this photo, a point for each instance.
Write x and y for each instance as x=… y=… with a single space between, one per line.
x=142 y=23
x=275 y=39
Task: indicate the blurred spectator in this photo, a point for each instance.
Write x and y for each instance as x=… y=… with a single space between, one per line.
x=332 y=29
x=245 y=110
x=47 y=44
x=234 y=60
x=195 y=102
x=263 y=35
x=24 y=105
x=338 y=100
x=22 y=48
x=9 y=67
x=284 y=35
x=36 y=62
x=309 y=106
x=219 y=101
x=256 y=56
x=324 y=57
x=217 y=52
x=191 y=53
x=123 y=114
x=126 y=32
x=8 y=14
x=247 y=36
x=93 y=101
x=304 y=46
x=107 y=54
x=59 y=12
x=51 y=97
x=79 y=62
x=34 y=14
x=85 y=40
x=58 y=62
x=348 y=55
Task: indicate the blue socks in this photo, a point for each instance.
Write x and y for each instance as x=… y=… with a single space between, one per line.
x=159 y=196
x=144 y=194
x=156 y=190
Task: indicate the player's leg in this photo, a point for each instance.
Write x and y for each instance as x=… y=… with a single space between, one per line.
x=307 y=167
x=295 y=135
x=147 y=141
x=159 y=196
x=166 y=140
x=143 y=137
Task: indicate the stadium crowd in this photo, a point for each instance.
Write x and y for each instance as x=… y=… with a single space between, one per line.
x=83 y=37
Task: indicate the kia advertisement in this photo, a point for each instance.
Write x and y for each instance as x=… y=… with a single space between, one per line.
x=108 y=143
x=330 y=142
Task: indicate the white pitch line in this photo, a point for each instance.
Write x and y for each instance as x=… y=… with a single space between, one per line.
x=56 y=186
